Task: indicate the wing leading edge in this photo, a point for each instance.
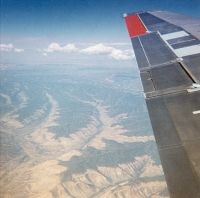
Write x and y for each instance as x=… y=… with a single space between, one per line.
x=168 y=58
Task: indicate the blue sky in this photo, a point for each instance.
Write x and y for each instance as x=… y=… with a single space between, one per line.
x=30 y=26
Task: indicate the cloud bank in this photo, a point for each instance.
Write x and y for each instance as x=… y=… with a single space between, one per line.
x=9 y=48
x=114 y=51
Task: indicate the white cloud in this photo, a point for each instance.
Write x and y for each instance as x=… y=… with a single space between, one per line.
x=120 y=55
x=9 y=48
x=94 y=49
x=18 y=50
x=55 y=47
x=6 y=47
x=117 y=54
x=97 y=49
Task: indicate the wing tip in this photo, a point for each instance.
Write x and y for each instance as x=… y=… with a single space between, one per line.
x=135 y=25
x=141 y=12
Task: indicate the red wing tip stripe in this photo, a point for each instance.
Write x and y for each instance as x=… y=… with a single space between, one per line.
x=134 y=25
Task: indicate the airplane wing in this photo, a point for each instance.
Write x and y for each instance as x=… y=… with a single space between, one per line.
x=167 y=50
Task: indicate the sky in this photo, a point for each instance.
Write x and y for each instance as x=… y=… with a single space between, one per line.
x=74 y=31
